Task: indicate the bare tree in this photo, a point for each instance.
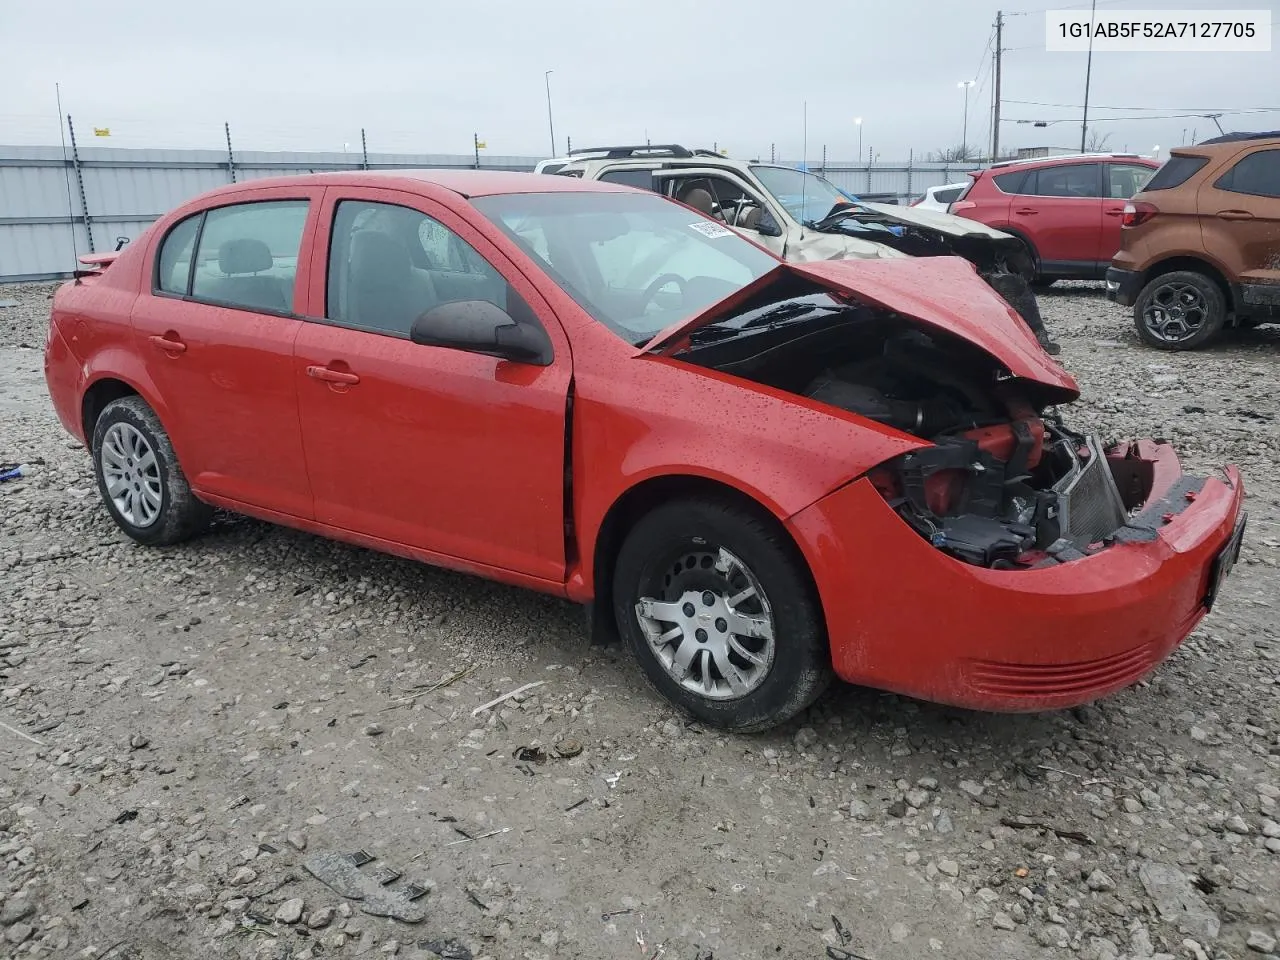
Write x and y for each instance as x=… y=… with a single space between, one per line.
x=1096 y=143
x=957 y=154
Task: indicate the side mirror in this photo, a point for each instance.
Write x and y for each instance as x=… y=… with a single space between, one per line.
x=767 y=225
x=479 y=326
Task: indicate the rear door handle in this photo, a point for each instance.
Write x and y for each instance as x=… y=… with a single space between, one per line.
x=169 y=343
x=1028 y=211
x=1234 y=215
x=329 y=375
x=1114 y=213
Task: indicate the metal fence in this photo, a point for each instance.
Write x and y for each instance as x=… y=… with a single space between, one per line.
x=105 y=193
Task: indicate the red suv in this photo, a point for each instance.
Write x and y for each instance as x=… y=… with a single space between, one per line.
x=1067 y=210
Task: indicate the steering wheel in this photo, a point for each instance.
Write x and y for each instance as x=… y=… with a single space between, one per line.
x=659 y=282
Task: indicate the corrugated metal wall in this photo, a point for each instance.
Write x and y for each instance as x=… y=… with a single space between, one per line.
x=124 y=190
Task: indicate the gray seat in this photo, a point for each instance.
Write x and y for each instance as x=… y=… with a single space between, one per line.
x=242 y=261
x=384 y=291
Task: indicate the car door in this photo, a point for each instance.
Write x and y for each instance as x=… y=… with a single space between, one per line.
x=458 y=454
x=1060 y=209
x=1122 y=181
x=216 y=331
x=1240 y=223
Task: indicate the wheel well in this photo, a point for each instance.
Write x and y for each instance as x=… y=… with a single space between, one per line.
x=638 y=501
x=1194 y=265
x=95 y=401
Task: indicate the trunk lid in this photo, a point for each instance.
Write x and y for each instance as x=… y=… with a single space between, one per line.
x=943 y=293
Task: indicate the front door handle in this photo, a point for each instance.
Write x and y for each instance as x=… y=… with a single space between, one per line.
x=1234 y=215
x=329 y=375
x=168 y=342
x=1028 y=211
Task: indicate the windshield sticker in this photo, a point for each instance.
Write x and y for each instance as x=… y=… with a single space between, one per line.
x=712 y=230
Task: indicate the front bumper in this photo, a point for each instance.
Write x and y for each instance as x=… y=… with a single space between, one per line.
x=903 y=616
x=1123 y=286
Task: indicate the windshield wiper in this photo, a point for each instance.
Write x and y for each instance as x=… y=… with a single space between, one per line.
x=772 y=317
x=788 y=311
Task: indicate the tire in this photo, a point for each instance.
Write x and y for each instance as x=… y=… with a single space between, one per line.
x=1180 y=310
x=688 y=551
x=139 y=479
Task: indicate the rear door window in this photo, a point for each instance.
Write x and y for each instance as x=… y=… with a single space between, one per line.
x=631 y=178
x=248 y=255
x=949 y=195
x=1074 y=180
x=1257 y=175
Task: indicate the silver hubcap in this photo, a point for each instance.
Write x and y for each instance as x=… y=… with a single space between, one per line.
x=1175 y=312
x=712 y=629
x=131 y=474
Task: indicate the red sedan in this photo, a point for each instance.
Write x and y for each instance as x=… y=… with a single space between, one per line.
x=758 y=474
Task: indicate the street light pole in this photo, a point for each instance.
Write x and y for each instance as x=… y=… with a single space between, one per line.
x=858 y=123
x=964 y=137
x=550 y=123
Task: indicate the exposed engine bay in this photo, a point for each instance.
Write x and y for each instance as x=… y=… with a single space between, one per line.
x=1006 y=483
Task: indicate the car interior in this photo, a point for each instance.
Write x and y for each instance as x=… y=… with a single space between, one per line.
x=717 y=197
x=389 y=265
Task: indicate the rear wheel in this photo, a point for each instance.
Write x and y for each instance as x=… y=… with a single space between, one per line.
x=1181 y=310
x=720 y=613
x=141 y=483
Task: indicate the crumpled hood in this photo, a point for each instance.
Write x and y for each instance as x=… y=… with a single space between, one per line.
x=819 y=245
x=923 y=217
x=944 y=293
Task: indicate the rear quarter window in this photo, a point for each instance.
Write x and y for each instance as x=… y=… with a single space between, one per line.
x=1011 y=182
x=949 y=196
x=1174 y=173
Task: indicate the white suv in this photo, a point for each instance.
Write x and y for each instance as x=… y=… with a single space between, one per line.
x=802 y=217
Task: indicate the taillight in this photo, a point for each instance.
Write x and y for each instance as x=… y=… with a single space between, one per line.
x=960 y=206
x=1137 y=213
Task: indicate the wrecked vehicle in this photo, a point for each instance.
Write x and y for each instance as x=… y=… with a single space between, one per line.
x=803 y=217
x=758 y=474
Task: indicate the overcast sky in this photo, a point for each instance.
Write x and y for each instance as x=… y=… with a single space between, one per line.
x=423 y=75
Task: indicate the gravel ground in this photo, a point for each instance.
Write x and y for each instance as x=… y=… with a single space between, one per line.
x=181 y=730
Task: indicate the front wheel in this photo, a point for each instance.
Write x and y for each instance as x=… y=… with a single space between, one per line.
x=1181 y=310
x=721 y=615
x=139 y=478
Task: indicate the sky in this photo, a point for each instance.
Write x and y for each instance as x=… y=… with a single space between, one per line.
x=746 y=76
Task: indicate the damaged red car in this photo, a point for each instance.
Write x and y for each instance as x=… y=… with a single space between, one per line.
x=759 y=475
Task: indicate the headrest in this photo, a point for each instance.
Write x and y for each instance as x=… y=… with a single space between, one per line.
x=377 y=258
x=699 y=199
x=245 y=255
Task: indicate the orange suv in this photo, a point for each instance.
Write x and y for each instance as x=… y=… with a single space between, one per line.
x=1200 y=244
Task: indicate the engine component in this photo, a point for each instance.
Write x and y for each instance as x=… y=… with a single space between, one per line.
x=984 y=541
x=1089 y=501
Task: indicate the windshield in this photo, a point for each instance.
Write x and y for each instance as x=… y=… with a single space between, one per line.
x=636 y=262
x=806 y=196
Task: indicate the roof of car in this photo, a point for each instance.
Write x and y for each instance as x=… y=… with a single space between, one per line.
x=466 y=183
x=1067 y=158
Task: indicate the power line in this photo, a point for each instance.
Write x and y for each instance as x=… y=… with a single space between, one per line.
x=1076 y=106
x=1164 y=116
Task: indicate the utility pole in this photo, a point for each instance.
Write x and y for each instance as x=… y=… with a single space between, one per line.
x=551 y=124
x=1088 y=70
x=995 y=108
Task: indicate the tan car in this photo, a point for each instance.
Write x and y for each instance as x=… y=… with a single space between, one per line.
x=803 y=217
x=1200 y=244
